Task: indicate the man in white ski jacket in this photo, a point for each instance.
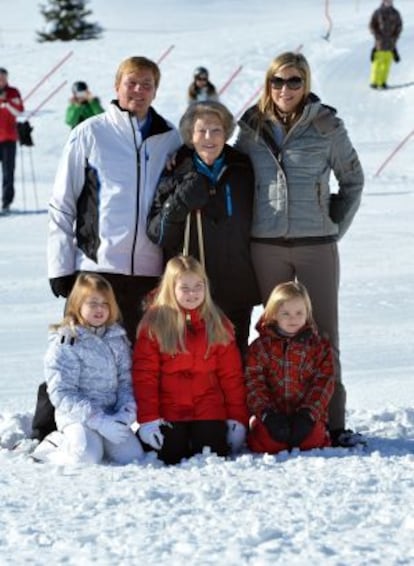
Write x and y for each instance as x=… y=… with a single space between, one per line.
x=104 y=188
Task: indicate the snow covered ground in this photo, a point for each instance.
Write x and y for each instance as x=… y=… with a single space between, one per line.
x=332 y=507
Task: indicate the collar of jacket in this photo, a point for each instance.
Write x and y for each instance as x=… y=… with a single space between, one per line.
x=313 y=111
x=193 y=318
x=271 y=329
x=231 y=156
x=159 y=125
x=68 y=334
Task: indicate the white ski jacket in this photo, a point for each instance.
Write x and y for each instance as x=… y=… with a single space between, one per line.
x=103 y=190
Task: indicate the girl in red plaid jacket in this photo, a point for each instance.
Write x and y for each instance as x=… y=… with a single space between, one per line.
x=289 y=376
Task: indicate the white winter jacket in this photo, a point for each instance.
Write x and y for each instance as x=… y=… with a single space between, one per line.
x=103 y=190
x=88 y=374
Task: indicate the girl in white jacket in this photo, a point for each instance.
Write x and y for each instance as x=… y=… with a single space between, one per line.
x=88 y=376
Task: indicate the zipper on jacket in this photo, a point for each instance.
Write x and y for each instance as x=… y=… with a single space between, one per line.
x=137 y=151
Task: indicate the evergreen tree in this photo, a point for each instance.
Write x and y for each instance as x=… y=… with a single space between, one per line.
x=67 y=21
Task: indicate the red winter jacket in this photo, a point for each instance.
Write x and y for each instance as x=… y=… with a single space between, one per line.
x=289 y=373
x=11 y=106
x=189 y=385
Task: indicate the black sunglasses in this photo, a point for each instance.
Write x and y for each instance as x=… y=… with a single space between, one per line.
x=201 y=78
x=293 y=83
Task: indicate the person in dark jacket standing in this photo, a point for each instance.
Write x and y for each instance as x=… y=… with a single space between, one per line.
x=82 y=104
x=211 y=187
x=386 y=27
x=11 y=106
x=295 y=142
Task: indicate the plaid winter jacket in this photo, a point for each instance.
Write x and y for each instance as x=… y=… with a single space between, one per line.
x=289 y=373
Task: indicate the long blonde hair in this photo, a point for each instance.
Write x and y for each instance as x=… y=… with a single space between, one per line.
x=85 y=285
x=286 y=292
x=286 y=60
x=165 y=319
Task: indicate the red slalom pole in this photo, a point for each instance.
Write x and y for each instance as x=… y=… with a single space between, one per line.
x=165 y=54
x=230 y=79
x=399 y=146
x=33 y=112
x=55 y=68
x=253 y=96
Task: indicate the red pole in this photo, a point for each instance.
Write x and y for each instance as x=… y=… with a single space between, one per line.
x=55 y=68
x=33 y=112
x=399 y=146
x=253 y=96
x=230 y=79
x=164 y=55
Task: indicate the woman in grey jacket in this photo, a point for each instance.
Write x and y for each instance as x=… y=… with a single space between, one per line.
x=88 y=376
x=295 y=142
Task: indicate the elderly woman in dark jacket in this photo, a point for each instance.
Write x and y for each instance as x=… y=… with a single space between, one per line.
x=208 y=196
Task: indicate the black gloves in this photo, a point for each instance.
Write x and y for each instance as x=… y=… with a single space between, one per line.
x=302 y=425
x=62 y=286
x=278 y=425
x=372 y=55
x=291 y=430
x=194 y=190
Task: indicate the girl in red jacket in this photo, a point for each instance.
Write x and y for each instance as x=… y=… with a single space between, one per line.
x=187 y=373
x=289 y=376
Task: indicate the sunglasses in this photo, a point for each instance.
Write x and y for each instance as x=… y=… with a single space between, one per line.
x=201 y=78
x=292 y=83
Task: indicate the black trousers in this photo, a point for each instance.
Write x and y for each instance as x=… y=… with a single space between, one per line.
x=8 y=162
x=241 y=320
x=184 y=439
x=130 y=292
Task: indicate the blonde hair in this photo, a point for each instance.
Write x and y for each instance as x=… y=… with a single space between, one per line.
x=85 y=285
x=165 y=319
x=286 y=292
x=286 y=60
x=134 y=64
x=201 y=109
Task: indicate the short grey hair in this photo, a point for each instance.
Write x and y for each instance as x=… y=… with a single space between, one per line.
x=198 y=110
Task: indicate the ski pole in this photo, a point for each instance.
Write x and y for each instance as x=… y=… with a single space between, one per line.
x=55 y=68
x=33 y=112
x=399 y=146
x=229 y=80
x=165 y=54
x=23 y=180
x=33 y=179
x=253 y=96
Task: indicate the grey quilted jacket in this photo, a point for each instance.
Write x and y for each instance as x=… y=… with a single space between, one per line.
x=88 y=374
x=293 y=198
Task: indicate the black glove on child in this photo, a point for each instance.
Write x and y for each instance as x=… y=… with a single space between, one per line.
x=194 y=190
x=62 y=286
x=277 y=425
x=302 y=425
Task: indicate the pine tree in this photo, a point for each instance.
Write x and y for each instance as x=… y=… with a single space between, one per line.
x=67 y=21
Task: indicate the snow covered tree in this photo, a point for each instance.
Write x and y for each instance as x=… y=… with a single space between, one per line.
x=66 y=20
